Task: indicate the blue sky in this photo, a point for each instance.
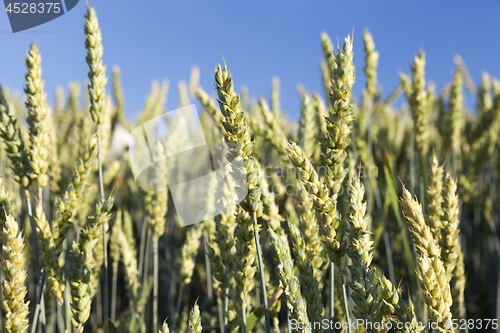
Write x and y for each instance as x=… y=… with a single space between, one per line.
x=163 y=39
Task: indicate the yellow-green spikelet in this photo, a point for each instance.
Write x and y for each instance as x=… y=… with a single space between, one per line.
x=37 y=113
x=13 y=285
x=238 y=137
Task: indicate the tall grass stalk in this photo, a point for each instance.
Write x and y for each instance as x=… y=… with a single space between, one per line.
x=97 y=94
x=241 y=146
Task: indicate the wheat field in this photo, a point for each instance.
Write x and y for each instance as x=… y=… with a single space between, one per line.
x=366 y=215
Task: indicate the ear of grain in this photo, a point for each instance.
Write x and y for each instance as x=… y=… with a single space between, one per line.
x=328 y=54
x=310 y=232
x=273 y=131
x=164 y=328
x=311 y=291
x=430 y=271
x=238 y=134
x=188 y=254
x=417 y=98
x=394 y=308
x=435 y=199
x=371 y=63
x=37 y=118
x=245 y=254
x=13 y=285
x=364 y=283
x=5 y=208
x=48 y=260
x=324 y=205
x=133 y=284
x=14 y=145
x=97 y=70
x=451 y=251
x=194 y=325
x=82 y=264
x=289 y=282
x=339 y=119
x=307 y=127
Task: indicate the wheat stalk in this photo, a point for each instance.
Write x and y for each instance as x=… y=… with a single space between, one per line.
x=37 y=152
x=97 y=96
x=241 y=147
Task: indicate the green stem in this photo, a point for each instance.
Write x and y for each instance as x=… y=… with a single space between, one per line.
x=226 y=296
x=262 y=277
x=243 y=318
x=332 y=295
x=344 y=298
x=114 y=287
x=39 y=270
x=424 y=178
x=41 y=284
x=177 y=309
x=155 y=283
x=142 y=247
x=67 y=293
x=220 y=309
x=43 y=319
x=146 y=259
x=105 y=261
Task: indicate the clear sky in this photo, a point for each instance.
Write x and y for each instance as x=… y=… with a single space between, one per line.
x=163 y=39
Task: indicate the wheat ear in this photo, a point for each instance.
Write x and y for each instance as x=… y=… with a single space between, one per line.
x=431 y=275
x=394 y=308
x=307 y=126
x=435 y=198
x=37 y=151
x=241 y=147
x=14 y=146
x=83 y=262
x=164 y=328
x=194 y=325
x=315 y=310
x=371 y=63
x=288 y=281
x=418 y=100
x=364 y=283
x=451 y=250
x=13 y=285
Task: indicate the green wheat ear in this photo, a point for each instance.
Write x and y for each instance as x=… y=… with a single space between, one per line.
x=194 y=325
x=13 y=285
x=14 y=145
x=164 y=328
x=37 y=118
x=97 y=73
